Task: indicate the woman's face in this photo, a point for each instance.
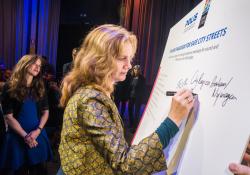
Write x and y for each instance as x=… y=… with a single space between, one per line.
x=123 y=63
x=136 y=71
x=35 y=68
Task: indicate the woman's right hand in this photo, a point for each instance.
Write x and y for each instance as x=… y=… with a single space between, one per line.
x=33 y=144
x=181 y=104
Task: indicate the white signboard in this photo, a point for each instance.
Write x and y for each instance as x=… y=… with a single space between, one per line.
x=207 y=51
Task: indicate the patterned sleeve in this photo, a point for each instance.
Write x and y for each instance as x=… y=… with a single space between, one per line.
x=145 y=158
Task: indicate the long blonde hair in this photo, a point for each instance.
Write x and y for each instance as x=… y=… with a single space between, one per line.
x=95 y=62
x=18 y=83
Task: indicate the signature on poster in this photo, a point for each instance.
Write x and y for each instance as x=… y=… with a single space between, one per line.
x=218 y=86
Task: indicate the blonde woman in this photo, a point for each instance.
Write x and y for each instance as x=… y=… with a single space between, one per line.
x=92 y=138
x=25 y=107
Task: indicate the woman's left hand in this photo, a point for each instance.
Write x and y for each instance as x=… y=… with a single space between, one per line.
x=242 y=169
x=34 y=134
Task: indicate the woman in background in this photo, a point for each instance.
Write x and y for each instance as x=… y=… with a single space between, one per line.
x=137 y=87
x=92 y=138
x=26 y=146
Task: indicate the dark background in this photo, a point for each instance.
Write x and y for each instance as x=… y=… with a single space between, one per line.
x=77 y=17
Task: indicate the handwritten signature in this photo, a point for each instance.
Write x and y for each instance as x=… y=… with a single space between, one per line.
x=216 y=84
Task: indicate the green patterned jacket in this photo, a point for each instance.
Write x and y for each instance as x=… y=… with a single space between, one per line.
x=93 y=143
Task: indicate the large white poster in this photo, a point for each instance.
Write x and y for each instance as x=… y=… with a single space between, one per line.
x=209 y=52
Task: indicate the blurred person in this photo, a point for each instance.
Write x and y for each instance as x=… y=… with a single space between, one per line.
x=68 y=66
x=2 y=126
x=54 y=123
x=47 y=67
x=7 y=74
x=92 y=137
x=137 y=92
x=25 y=107
x=121 y=94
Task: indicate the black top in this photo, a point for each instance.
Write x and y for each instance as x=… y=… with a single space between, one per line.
x=67 y=68
x=2 y=126
x=137 y=87
x=12 y=105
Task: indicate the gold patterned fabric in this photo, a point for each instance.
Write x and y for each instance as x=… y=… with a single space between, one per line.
x=93 y=143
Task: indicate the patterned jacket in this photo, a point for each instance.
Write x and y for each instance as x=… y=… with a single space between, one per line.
x=93 y=143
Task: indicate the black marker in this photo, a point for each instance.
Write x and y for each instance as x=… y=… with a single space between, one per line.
x=172 y=93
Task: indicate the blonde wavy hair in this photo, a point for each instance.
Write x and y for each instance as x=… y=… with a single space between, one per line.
x=18 y=83
x=96 y=60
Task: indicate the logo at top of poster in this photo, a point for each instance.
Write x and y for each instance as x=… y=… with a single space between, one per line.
x=204 y=13
x=190 y=22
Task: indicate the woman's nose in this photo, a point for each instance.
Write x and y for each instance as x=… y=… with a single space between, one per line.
x=128 y=64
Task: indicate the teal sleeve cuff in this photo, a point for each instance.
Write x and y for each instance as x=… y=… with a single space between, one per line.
x=166 y=131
